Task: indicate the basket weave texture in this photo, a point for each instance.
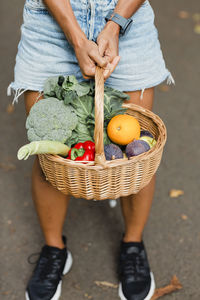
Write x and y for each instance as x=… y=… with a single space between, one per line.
x=103 y=179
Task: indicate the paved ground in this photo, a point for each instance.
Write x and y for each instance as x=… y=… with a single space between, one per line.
x=172 y=235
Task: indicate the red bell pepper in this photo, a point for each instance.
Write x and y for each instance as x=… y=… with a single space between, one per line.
x=81 y=154
x=89 y=145
x=79 y=146
x=82 y=151
x=87 y=156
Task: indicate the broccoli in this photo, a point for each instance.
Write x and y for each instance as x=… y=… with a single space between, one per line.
x=50 y=119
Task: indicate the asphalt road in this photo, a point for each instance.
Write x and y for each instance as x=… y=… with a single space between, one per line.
x=173 y=234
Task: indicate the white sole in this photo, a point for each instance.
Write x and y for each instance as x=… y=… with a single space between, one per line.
x=67 y=268
x=148 y=297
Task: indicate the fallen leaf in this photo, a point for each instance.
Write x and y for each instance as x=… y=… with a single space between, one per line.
x=164 y=88
x=76 y=286
x=87 y=296
x=183 y=14
x=10 y=109
x=7 y=166
x=106 y=284
x=168 y=289
x=12 y=230
x=184 y=217
x=197 y=28
x=175 y=193
x=6 y=292
x=196 y=17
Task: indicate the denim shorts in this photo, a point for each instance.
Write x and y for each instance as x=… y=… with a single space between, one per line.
x=43 y=50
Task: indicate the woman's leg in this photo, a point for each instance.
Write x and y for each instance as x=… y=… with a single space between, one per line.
x=136 y=208
x=51 y=205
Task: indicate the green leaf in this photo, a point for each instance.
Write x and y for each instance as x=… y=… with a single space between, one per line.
x=69 y=97
x=82 y=89
x=106 y=139
x=73 y=139
x=72 y=79
x=58 y=92
x=83 y=106
x=69 y=83
x=115 y=93
x=49 y=87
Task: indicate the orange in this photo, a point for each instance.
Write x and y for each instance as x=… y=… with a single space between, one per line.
x=123 y=129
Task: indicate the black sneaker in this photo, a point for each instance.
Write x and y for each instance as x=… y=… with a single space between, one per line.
x=46 y=281
x=136 y=280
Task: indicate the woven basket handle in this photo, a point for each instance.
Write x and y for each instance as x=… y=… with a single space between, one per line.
x=99 y=117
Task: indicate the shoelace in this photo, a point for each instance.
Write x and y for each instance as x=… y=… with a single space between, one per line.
x=46 y=264
x=32 y=255
x=131 y=265
x=49 y=268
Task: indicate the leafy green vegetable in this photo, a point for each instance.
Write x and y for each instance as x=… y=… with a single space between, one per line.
x=69 y=83
x=82 y=89
x=50 y=87
x=50 y=119
x=80 y=95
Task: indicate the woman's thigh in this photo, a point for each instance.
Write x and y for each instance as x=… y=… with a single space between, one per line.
x=145 y=102
x=30 y=98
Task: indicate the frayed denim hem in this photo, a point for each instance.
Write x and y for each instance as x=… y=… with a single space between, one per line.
x=18 y=91
x=168 y=78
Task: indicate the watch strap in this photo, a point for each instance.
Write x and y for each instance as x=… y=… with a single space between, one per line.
x=121 y=21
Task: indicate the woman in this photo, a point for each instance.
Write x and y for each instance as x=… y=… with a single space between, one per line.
x=72 y=37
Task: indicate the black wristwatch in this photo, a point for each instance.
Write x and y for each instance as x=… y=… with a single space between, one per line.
x=124 y=23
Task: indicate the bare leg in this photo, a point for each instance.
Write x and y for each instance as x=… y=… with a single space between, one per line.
x=51 y=205
x=136 y=208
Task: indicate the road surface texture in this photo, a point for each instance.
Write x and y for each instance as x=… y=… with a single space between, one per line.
x=93 y=229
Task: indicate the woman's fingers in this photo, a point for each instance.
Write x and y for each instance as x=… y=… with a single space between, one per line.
x=88 y=70
x=88 y=57
x=94 y=58
x=111 y=53
x=86 y=77
x=98 y=59
x=113 y=65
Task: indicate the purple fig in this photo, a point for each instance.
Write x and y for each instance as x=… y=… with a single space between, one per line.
x=146 y=133
x=136 y=147
x=112 y=151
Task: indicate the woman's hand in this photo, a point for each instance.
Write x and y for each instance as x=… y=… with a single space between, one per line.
x=88 y=56
x=86 y=51
x=108 y=44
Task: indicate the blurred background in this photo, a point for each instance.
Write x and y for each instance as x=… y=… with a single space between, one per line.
x=93 y=228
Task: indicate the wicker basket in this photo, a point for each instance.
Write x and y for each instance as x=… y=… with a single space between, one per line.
x=103 y=179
